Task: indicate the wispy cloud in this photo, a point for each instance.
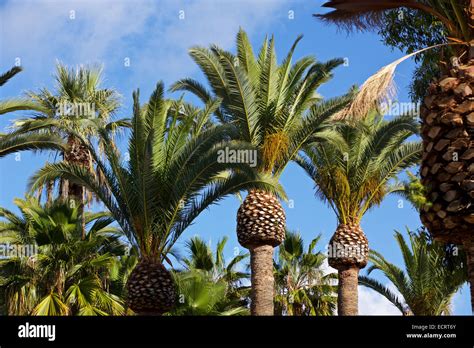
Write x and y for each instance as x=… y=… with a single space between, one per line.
x=153 y=35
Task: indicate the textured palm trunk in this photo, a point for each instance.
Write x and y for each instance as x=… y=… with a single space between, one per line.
x=347 y=293
x=469 y=249
x=261 y=262
x=447 y=167
x=77 y=154
x=348 y=253
x=150 y=288
x=260 y=227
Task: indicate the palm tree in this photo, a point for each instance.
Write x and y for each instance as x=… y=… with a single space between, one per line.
x=352 y=175
x=201 y=258
x=302 y=286
x=59 y=273
x=275 y=108
x=15 y=141
x=170 y=176
x=447 y=117
x=77 y=109
x=200 y=294
x=427 y=285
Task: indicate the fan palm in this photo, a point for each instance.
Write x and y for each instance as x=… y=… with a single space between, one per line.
x=200 y=294
x=77 y=109
x=352 y=175
x=447 y=169
x=171 y=176
x=302 y=287
x=427 y=285
x=275 y=108
x=65 y=275
x=16 y=141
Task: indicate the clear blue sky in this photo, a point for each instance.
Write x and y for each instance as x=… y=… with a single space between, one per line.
x=154 y=37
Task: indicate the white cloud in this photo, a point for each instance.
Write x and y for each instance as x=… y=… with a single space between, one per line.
x=150 y=33
x=372 y=303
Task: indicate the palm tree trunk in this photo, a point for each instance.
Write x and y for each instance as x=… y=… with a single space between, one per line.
x=469 y=248
x=77 y=154
x=347 y=299
x=261 y=263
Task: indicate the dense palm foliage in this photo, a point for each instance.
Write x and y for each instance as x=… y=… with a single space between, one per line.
x=59 y=273
x=352 y=173
x=172 y=169
x=303 y=287
x=171 y=176
x=273 y=106
x=200 y=294
x=202 y=258
x=428 y=283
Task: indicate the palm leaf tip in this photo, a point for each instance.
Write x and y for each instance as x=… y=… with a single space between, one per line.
x=9 y=74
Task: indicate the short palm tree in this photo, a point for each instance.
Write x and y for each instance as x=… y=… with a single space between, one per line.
x=200 y=294
x=65 y=275
x=352 y=174
x=428 y=283
x=17 y=141
x=447 y=113
x=170 y=176
x=302 y=286
x=275 y=108
x=202 y=258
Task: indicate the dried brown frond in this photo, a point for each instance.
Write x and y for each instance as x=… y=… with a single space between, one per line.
x=377 y=90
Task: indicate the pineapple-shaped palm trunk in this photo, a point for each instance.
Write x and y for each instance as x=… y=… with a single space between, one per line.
x=150 y=288
x=261 y=227
x=447 y=169
x=348 y=253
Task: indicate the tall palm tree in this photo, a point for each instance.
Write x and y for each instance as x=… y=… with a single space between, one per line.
x=65 y=275
x=447 y=114
x=302 y=286
x=275 y=108
x=352 y=174
x=78 y=107
x=427 y=285
x=172 y=175
x=17 y=141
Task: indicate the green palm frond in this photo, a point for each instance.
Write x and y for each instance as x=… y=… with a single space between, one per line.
x=265 y=101
x=426 y=285
x=353 y=167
